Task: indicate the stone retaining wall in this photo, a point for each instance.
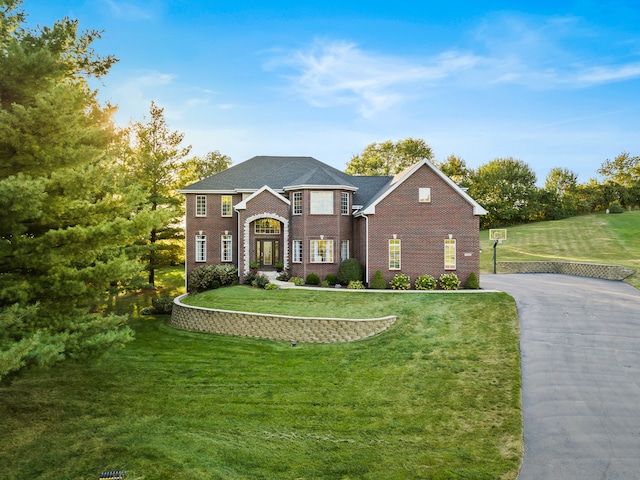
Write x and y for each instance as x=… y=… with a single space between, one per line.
x=596 y=270
x=275 y=327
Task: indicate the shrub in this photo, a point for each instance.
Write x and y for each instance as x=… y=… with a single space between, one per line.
x=425 y=282
x=324 y=284
x=449 y=281
x=400 y=281
x=255 y=265
x=284 y=277
x=201 y=278
x=160 y=306
x=331 y=279
x=261 y=281
x=472 y=281
x=350 y=269
x=356 y=285
x=226 y=274
x=378 y=282
x=297 y=281
x=271 y=286
x=313 y=279
x=615 y=207
x=250 y=276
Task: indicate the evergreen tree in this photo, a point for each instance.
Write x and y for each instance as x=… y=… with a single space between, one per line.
x=64 y=221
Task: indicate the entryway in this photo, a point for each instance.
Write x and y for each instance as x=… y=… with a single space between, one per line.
x=268 y=252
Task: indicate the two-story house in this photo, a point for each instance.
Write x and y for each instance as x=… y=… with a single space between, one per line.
x=309 y=216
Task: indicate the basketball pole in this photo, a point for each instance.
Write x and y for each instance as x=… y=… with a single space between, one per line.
x=495 y=249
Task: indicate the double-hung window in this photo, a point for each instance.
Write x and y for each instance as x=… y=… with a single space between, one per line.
x=201 y=248
x=344 y=203
x=226 y=252
x=450 y=254
x=321 y=251
x=226 y=206
x=297 y=251
x=344 y=250
x=297 y=203
x=394 y=254
x=201 y=206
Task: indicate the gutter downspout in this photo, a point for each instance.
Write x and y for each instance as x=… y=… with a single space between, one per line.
x=366 y=250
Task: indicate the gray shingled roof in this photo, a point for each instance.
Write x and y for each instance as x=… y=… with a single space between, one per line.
x=281 y=172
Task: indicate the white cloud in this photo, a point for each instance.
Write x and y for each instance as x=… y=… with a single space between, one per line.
x=338 y=73
x=130 y=10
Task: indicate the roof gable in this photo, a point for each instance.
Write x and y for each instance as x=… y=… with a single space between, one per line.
x=400 y=178
x=243 y=204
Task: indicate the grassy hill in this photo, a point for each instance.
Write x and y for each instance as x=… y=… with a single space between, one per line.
x=597 y=238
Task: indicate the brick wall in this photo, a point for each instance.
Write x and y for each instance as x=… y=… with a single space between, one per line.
x=595 y=270
x=276 y=327
x=423 y=228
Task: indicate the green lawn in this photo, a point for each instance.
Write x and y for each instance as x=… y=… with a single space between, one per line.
x=437 y=396
x=598 y=238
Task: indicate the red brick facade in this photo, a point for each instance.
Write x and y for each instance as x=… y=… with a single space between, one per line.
x=421 y=227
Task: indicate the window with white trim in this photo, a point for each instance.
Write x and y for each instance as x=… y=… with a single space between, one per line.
x=321 y=203
x=450 y=254
x=297 y=251
x=226 y=206
x=321 y=251
x=424 y=195
x=264 y=226
x=344 y=250
x=394 y=253
x=344 y=203
x=201 y=248
x=226 y=251
x=201 y=205
x=297 y=203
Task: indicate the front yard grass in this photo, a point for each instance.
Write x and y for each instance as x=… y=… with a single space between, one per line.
x=437 y=396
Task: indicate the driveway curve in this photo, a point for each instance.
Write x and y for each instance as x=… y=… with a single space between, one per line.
x=580 y=352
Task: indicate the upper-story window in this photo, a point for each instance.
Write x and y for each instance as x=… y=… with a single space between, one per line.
x=201 y=206
x=267 y=226
x=321 y=203
x=226 y=205
x=297 y=203
x=344 y=203
x=424 y=195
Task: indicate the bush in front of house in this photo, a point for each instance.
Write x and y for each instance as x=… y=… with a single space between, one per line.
x=356 y=285
x=261 y=281
x=250 y=276
x=297 y=281
x=313 y=279
x=400 y=281
x=284 y=276
x=472 y=281
x=425 y=282
x=159 y=306
x=378 y=282
x=271 y=286
x=449 y=281
x=226 y=274
x=349 y=270
x=331 y=279
x=201 y=278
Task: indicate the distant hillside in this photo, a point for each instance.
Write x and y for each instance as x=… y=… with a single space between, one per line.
x=598 y=238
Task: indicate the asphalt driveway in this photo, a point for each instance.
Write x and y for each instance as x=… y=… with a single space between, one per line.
x=580 y=350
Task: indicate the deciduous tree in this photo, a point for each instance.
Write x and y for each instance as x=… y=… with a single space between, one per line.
x=389 y=158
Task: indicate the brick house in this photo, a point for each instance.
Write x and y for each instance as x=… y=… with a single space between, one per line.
x=309 y=216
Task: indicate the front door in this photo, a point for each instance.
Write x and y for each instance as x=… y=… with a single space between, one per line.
x=268 y=252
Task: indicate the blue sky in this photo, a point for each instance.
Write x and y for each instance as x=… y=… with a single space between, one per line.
x=555 y=84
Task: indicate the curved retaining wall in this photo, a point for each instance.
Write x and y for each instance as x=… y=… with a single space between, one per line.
x=596 y=270
x=275 y=327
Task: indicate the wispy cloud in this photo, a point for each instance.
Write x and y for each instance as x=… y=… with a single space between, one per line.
x=130 y=10
x=533 y=52
x=333 y=73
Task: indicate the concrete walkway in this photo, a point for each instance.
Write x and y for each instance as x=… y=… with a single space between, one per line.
x=580 y=350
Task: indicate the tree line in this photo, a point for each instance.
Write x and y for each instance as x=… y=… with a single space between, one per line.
x=508 y=188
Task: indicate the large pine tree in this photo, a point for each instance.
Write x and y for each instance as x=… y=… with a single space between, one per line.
x=65 y=221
